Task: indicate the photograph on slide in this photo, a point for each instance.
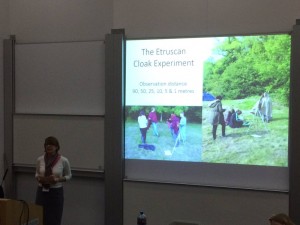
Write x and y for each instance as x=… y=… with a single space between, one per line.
x=163 y=133
x=233 y=92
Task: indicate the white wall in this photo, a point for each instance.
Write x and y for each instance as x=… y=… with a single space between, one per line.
x=156 y=18
x=83 y=20
x=4 y=19
x=84 y=199
x=60 y=20
x=164 y=203
x=166 y=18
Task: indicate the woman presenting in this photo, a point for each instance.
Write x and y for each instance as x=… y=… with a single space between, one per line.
x=51 y=171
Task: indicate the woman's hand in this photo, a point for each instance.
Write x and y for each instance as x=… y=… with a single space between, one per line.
x=53 y=179
x=41 y=179
x=50 y=179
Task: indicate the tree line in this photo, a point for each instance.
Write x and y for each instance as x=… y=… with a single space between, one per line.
x=247 y=66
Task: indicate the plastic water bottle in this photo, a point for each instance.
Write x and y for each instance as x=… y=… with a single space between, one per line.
x=141 y=219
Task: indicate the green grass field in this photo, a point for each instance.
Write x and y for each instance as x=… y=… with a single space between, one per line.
x=260 y=144
x=189 y=151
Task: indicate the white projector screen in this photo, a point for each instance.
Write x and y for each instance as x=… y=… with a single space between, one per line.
x=209 y=110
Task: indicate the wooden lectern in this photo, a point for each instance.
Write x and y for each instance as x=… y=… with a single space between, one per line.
x=15 y=212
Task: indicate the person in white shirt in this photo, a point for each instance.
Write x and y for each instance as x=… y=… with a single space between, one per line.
x=52 y=169
x=182 y=127
x=143 y=124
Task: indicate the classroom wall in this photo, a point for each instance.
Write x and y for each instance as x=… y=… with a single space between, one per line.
x=164 y=202
x=35 y=21
x=58 y=21
x=204 y=17
x=2 y=112
x=84 y=198
x=4 y=33
x=65 y=23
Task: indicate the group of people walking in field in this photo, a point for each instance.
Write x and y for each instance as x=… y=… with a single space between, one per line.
x=177 y=126
x=233 y=118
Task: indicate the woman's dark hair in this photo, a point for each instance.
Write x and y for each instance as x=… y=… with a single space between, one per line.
x=51 y=141
x=142 y=112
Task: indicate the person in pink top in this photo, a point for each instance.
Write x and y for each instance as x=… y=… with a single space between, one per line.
x=152 y=117
x=173 y=124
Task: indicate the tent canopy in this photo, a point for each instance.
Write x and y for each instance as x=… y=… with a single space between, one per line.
x=208 y=97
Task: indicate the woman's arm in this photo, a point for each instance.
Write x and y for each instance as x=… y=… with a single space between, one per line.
x=67 y=174
x=38 y=175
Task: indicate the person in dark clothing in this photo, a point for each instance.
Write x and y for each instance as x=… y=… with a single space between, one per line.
x=217 y=116
x=236 y=121
x=228 y=116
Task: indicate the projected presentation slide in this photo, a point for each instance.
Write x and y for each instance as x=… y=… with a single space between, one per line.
x=209 y=99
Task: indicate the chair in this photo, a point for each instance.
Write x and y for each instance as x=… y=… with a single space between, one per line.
x=257 y=123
